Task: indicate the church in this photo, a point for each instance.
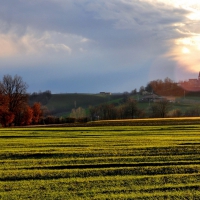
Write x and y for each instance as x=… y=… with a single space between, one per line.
x=191 y=84
x=195 y=82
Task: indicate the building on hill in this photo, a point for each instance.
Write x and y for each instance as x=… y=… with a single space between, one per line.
x=150 y=98
x=195 y=82
x=191 y=84
x=105 y=93
x=146 y=93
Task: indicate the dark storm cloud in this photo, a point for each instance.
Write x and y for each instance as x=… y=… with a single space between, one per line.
x=93 y=19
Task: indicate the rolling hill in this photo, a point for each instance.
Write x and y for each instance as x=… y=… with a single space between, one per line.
x=62 y=104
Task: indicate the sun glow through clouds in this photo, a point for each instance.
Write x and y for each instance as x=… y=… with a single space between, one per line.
x=185 y=50
x=187 y=47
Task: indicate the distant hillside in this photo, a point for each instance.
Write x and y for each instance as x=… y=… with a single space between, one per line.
x=62 y=104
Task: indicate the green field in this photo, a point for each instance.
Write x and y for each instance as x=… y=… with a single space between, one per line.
x=119 y=162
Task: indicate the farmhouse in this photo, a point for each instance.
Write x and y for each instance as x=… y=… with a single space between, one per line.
x=150 y=98
x=105 y=93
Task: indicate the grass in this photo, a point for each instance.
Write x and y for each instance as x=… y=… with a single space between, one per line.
x=115 y=162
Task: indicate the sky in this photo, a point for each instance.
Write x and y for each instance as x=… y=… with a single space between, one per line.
x=91 y=46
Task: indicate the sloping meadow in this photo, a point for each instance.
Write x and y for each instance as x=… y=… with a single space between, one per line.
x=120 y=162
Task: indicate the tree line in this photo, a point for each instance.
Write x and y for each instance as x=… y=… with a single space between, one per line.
x=17 y=107
x=166 y=87
x=126 y=109
x=42 y=97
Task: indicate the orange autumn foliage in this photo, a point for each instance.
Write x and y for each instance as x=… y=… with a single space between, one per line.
x=27 y=116
x=37 y=112
x=14 y=108
x=6 y=117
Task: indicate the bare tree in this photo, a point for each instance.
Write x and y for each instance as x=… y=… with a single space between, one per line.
x=131 y=108
x=121 y=111
x=160 y=108
x=93 y=112
x=142 y=89
x=78 y=113
x=15 y=90
x=134 y=92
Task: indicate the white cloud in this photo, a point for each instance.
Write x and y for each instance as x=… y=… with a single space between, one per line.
x=33 y=42
x=59 y=47
x=100 y=37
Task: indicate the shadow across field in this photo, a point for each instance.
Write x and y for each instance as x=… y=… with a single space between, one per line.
x=100 y=170
x=24 y=136
x=116 y=165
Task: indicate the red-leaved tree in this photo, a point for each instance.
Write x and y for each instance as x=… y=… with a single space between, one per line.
x=6 y=116
x=37 y=113
x=27 y=116
x=14 y=98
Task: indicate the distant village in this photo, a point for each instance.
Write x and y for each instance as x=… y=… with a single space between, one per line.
x=190 y=85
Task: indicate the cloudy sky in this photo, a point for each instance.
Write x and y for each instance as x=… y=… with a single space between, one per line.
x=90 y=46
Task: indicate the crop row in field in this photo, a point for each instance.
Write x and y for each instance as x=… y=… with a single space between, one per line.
x=131 y=162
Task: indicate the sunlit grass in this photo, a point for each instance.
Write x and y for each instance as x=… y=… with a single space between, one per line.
x=119 y=162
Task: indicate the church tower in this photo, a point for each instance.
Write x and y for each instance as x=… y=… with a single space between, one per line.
x=199 y=77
